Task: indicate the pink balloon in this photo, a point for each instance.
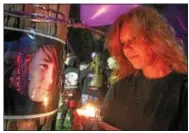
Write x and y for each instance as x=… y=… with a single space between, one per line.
x=99 y=15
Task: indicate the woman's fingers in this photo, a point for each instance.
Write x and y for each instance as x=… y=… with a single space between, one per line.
x=77 y=122
x=81 y=122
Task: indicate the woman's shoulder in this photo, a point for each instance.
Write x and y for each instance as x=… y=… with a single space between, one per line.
x=123 y=80
x=182 y=76
x=122 y=84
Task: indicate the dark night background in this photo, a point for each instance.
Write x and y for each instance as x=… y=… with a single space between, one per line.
x=83 y=42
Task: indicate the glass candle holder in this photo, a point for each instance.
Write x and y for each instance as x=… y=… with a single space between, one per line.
x=33 y=60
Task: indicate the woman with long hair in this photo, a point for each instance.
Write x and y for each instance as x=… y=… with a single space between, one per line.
x=145 y=23
x=36 y=77
x=34 y=91
x=150 y=91
x=43 y=76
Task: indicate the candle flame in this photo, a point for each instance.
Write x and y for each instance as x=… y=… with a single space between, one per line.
x=89 y=111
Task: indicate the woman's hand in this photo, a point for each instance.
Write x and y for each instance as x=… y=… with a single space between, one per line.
x=81 y=122
x=76 y=122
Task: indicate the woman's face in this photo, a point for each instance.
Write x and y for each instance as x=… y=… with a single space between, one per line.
x=136 y=49
x=41 y=76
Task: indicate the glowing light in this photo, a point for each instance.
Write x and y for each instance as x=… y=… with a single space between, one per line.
x=89 y=111
x=111 y=62
x=93 y=55
x=135 y=5
x=100 y=11
x=70 y=94
x=45 y=101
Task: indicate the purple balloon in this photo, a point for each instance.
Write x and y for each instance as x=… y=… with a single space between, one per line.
x=99 y=15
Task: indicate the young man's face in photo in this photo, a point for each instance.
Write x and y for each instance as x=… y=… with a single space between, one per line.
x=41 y=76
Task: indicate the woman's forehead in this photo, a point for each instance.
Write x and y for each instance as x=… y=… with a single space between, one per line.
x=41 y=55
x=127 y=31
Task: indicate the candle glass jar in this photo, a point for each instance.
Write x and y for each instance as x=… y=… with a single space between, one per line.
x=33 y=60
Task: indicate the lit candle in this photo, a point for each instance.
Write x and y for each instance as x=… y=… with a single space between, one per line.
x=88 y=110
x=93 y=113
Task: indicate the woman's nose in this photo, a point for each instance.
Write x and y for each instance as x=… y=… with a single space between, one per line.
x=129 y=47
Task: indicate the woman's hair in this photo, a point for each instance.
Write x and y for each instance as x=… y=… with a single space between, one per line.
x=149 y=24
x=52 y=55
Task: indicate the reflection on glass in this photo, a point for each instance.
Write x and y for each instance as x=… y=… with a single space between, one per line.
x=42 y=70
